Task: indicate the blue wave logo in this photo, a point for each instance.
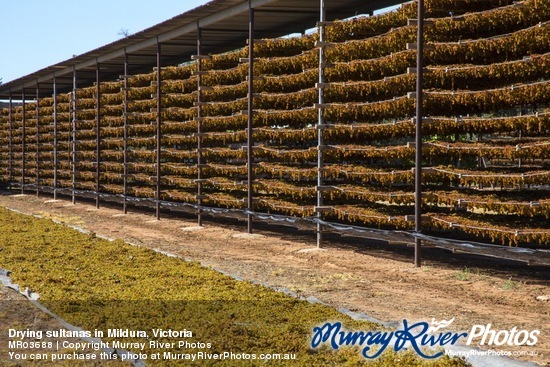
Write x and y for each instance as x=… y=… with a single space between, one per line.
x=416 y=336
x=439 y=325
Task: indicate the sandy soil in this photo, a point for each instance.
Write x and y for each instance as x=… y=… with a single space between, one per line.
x=362 y=276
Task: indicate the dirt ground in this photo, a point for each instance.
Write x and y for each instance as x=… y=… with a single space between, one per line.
x=362 y=276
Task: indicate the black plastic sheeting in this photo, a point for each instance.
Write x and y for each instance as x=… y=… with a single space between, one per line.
x=535 y=257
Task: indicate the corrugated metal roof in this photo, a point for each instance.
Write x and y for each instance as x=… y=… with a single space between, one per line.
x=224 y=26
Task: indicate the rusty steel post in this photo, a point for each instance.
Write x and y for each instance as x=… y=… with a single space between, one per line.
x=37 y=139
x=10 y=146
x=125 y=154
x=250 y=143
x=159 y=132
x=54 y=138
x=98 y=134
x=73 y=145
x=418 y=140
x=320 y=121
x=23 y=133
x=199 y=126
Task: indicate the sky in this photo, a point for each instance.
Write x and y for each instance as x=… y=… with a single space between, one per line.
x=40 y=33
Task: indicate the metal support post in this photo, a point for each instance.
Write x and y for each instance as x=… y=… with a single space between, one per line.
x=159 y=121
x=250 y=158
x=199 y=126
x=125 y=154
x=10 y=163
x=54 y=138
x=69 y=134
x=320 y=121
x=98 y=134
x=23 y=133
x=37 y=139
x=73 y=145
x=418 y=140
